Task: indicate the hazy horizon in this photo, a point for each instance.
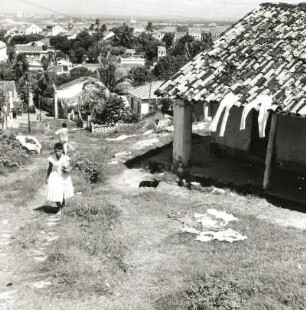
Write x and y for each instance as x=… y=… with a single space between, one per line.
x=213 y=10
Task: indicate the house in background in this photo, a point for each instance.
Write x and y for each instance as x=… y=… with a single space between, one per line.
x=62 y=66
x=128 y=61
x=67 y=96
x=254 y=77
x=11 y=97
x=32 y=29
x=142 y=98
x=54 y=30
x=3 y=55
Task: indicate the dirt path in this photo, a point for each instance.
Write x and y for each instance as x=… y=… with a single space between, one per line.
x=15 y=232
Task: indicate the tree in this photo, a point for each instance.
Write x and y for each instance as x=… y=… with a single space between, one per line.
x=168 y=39
x=103 y=28
x=151 y=49
x=165 y=105
x=114 y=78
x=61 y=43
x=124 y=36
x=6 y=72
x=24 y=39
x=79 y=72
x=180 y=47
x=140 y=75
x=168 y=65
x=44 y=88
x=24 y=81
x=149 y=27
x=110 y=111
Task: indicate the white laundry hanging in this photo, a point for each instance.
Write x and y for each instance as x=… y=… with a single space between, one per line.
x=246 y=110
x=266 y=102
x=262 y=103
x=226 y=103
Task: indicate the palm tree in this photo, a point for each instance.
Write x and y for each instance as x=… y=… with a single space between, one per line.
x=44 y=87
x=23 y=79
x=114 y=78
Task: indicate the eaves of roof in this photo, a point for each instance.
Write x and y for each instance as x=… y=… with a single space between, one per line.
x=263 y=53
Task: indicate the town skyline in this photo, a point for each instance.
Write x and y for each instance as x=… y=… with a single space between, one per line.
x=218 y=10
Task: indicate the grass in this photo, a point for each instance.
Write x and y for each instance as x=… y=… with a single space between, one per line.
x=19 y=191
x=121 y=244
x=27 y=236
x=87 y=259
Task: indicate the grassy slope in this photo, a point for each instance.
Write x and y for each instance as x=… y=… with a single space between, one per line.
x=122 y=246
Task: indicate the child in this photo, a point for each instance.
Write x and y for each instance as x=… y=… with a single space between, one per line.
x=58 y=179
x=63 y=137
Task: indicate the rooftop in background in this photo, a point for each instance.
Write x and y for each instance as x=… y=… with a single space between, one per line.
x=143 y=91
x=263 y=53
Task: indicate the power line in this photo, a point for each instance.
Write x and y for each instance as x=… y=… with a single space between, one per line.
x=46 y=8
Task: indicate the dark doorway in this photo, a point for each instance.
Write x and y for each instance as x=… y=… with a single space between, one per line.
x=258 y=146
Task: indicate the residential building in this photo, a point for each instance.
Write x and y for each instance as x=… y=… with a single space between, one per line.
x=161 y=52
x=142 y=98
x=131 y=61
x=3 y=54
x=254 y=78
x=32 y=29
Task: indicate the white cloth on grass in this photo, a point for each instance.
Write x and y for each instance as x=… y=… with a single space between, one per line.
x=59 y=183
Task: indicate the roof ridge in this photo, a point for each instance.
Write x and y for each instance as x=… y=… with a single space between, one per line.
x=282 y=4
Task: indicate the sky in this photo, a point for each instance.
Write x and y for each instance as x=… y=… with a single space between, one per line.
x=195 y=9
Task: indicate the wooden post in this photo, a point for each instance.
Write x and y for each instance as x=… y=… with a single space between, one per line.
x=269 y=154
x=182 y=133
x=55 y=105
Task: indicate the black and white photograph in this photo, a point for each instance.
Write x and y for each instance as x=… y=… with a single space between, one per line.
x=152 y=155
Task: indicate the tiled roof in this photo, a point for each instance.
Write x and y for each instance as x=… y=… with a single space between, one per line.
x=263 y=53
x=143 y=92
x=23 y=48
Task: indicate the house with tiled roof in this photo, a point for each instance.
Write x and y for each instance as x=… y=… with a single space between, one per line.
x=254 y=81
x=67 y=96
x=142 y=98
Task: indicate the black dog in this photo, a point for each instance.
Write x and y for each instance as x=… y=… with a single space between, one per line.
x=153 y=183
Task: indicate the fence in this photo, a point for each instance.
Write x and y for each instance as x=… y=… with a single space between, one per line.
x=95 y=128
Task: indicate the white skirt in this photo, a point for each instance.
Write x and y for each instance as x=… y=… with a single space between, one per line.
x=59 y=187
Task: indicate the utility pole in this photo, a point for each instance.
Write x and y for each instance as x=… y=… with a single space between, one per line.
x=28 y=99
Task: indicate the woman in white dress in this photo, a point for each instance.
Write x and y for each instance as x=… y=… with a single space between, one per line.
x=59 y=183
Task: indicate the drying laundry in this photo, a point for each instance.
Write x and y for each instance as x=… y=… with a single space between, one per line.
x=211 y=226
x=228 y=235
x=246 y=110
x=266 y=102
x=262 y=103
x=226 y=103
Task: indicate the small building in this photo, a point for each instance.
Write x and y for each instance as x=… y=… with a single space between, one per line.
x=129 y=52
x=142 y=98
x=55 y=30
x=196 y=33
x=67 y=96
x=161 y=52
x=254 y=80
x=3 y=54
x=62 y=66
x=11 y=97
x=33 y=51
x=132 y=61
x=32 y=29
